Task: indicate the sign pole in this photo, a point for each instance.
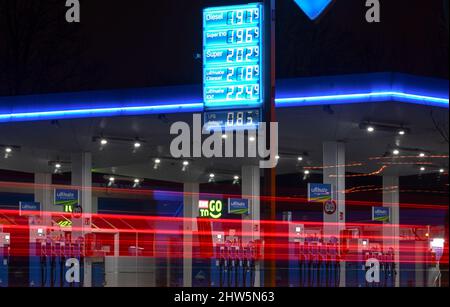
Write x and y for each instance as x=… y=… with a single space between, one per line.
x=269 y=188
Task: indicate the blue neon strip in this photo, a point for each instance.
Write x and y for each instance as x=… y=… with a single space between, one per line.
x=360 y=98
x=117 y=111
x=198 y=107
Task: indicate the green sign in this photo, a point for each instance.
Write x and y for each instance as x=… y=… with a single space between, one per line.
x=67 y=198
x=210 y=208
x=68 y=208
x=65 y=223
x=381 y=214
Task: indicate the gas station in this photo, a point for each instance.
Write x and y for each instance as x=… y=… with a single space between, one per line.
x=92 y=196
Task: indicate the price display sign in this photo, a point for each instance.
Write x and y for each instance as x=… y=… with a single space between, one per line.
x=232 y=65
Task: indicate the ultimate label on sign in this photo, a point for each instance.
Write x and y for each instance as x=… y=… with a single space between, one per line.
x=232 y=65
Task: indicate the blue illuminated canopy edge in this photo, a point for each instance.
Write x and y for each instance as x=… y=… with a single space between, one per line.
x=366 y=88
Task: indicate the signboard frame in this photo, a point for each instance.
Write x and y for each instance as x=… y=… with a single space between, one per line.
x=72 y=203
x=242 y=210
x=312 y=196
x=23 y=211
x=236 y=113
x=377 y=217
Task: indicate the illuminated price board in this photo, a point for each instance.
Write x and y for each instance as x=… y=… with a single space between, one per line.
x=232 y=63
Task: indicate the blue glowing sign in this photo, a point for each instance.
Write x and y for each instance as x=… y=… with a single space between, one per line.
x=238 y=206
x=232 y=57
x=313 y=8
x=247 y=119
x=319 y=192
x=26 y=206
x=381 y=214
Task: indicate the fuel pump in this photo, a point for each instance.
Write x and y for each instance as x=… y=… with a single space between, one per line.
x=45 y=253
x=314 y=266
x=246 y=266
x=296 y=237
x=253 y=258
x=334 y=266
x=227 y=263
x=36 y=258
x=222 y=263
x=218 y=261
x=50 y=247
x=5 y=243
x=390 y=268
x=234 y=265
x=79 y=254
x=306 y=265
x=301 y=263
x=239 y=265
x=323 y=265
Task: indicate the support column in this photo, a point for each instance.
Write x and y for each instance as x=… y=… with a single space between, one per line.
x=82 y=180
x=391 y=230
x=334 y=174
x=251 y=226
x=190 y=212
x=43 y=194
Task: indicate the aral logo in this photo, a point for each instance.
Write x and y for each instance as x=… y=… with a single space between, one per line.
x=313 y=8
x=210 y=208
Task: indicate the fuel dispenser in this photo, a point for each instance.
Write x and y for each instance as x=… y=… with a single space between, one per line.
x=234 y=262
x=361 y=255
x=49 y=251
x=318 y=262
x=4 y=258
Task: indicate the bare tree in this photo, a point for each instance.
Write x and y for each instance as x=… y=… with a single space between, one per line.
x=39 y=50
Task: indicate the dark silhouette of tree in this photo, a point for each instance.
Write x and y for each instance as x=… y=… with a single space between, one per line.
x=39 y=50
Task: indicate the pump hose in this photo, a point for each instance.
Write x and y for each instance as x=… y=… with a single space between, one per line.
x=338 y=273
x=220 y=275
x=244 y=273
x=43 y=271
x=53 y=271
x=236 y=277
x=61 y=272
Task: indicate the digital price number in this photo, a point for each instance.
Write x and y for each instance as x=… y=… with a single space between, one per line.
x=246 y=119
x=232 y=57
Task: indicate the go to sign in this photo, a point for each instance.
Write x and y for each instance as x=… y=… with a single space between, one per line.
x=210 y=208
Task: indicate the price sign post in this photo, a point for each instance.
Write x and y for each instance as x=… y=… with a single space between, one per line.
x=268 y=209
x=233 y=57
x=239 y=86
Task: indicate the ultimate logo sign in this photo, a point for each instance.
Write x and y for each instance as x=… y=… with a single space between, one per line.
x=69 y=199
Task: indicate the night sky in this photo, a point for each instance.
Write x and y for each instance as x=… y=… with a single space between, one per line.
x=123 y=44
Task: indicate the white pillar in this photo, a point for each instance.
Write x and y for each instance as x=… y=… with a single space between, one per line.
x=43 y=194
x=251 y=191
x=334 y=174
x=82 y=180
x=94 y=204
x=190 y=212
x=391 y=230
